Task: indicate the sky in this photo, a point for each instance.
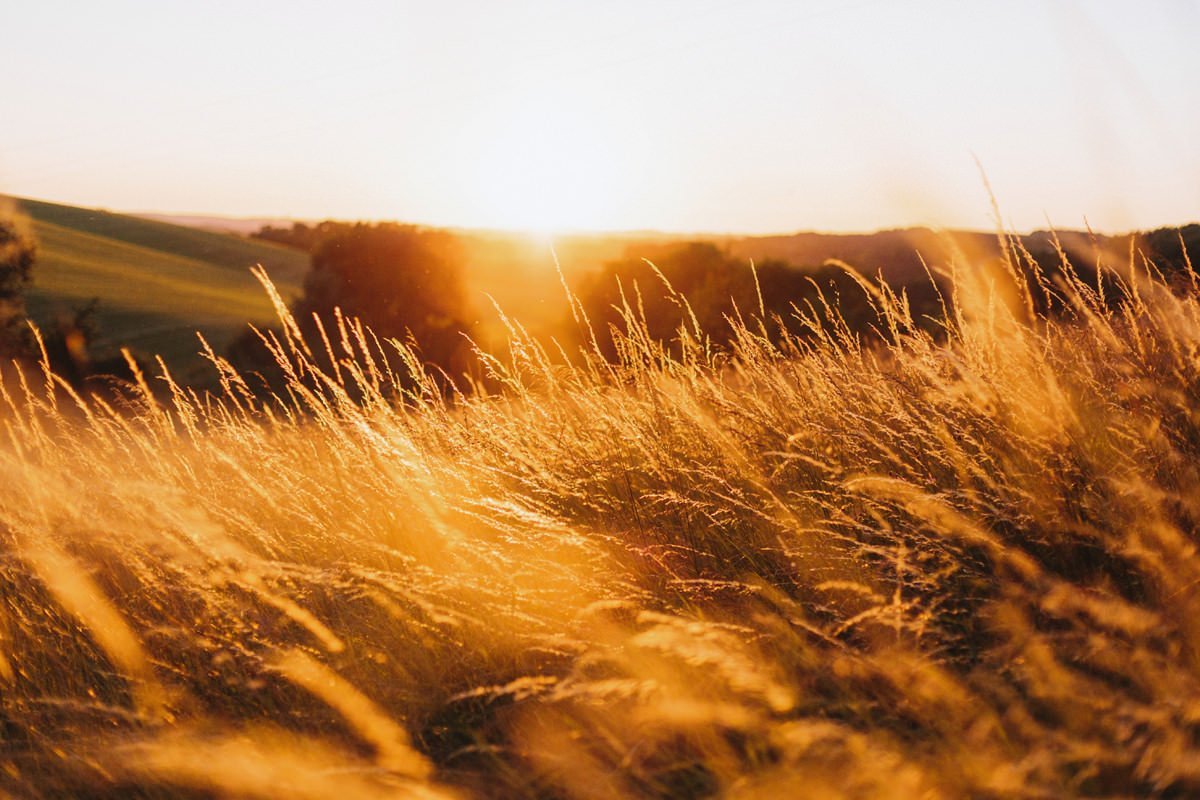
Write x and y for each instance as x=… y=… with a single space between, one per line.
x=751 y=116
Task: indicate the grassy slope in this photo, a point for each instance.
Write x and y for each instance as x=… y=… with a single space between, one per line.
x=157 y=283
x=214 y=248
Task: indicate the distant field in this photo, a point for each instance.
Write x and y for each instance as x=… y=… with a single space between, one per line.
x=157 y=283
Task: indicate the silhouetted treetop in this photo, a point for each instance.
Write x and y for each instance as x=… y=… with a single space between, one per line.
x=300 y=235
x=403 y=282
x=396 y=278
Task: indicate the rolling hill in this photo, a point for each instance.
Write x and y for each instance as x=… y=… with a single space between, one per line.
x=156 y=284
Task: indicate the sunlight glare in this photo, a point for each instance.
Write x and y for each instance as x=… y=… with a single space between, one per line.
x=546 y=170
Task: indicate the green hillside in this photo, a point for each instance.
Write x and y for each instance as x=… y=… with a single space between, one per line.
x=156 y=283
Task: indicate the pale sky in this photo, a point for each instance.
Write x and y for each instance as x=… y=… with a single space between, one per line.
x=706 y=115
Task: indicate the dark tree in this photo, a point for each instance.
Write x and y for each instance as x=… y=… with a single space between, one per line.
x=17 y=253
x=717 y=287
x=402 y=281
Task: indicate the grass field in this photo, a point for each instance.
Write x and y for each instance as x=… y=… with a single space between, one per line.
x=941 y=567
x=157 y=284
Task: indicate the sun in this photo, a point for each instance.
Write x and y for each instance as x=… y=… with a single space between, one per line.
x=546 y=170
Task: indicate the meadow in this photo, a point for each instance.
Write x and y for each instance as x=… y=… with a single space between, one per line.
x=940 y=563
x=155 y=284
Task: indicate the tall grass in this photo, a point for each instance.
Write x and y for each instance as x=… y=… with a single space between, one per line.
x=935 y=566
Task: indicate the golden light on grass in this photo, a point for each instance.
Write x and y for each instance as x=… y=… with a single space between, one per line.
x=393 y=751
x=946 y=565
x=258 y=763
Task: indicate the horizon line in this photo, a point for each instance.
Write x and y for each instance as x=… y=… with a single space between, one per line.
x=159 y=215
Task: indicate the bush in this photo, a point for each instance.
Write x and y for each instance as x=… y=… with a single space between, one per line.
x=696 y=284
x=17 y=253
x=403 y=282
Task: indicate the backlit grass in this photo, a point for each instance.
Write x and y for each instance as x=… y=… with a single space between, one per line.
x=931 y=566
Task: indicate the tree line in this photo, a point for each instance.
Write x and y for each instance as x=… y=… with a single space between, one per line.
x=410 y=283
